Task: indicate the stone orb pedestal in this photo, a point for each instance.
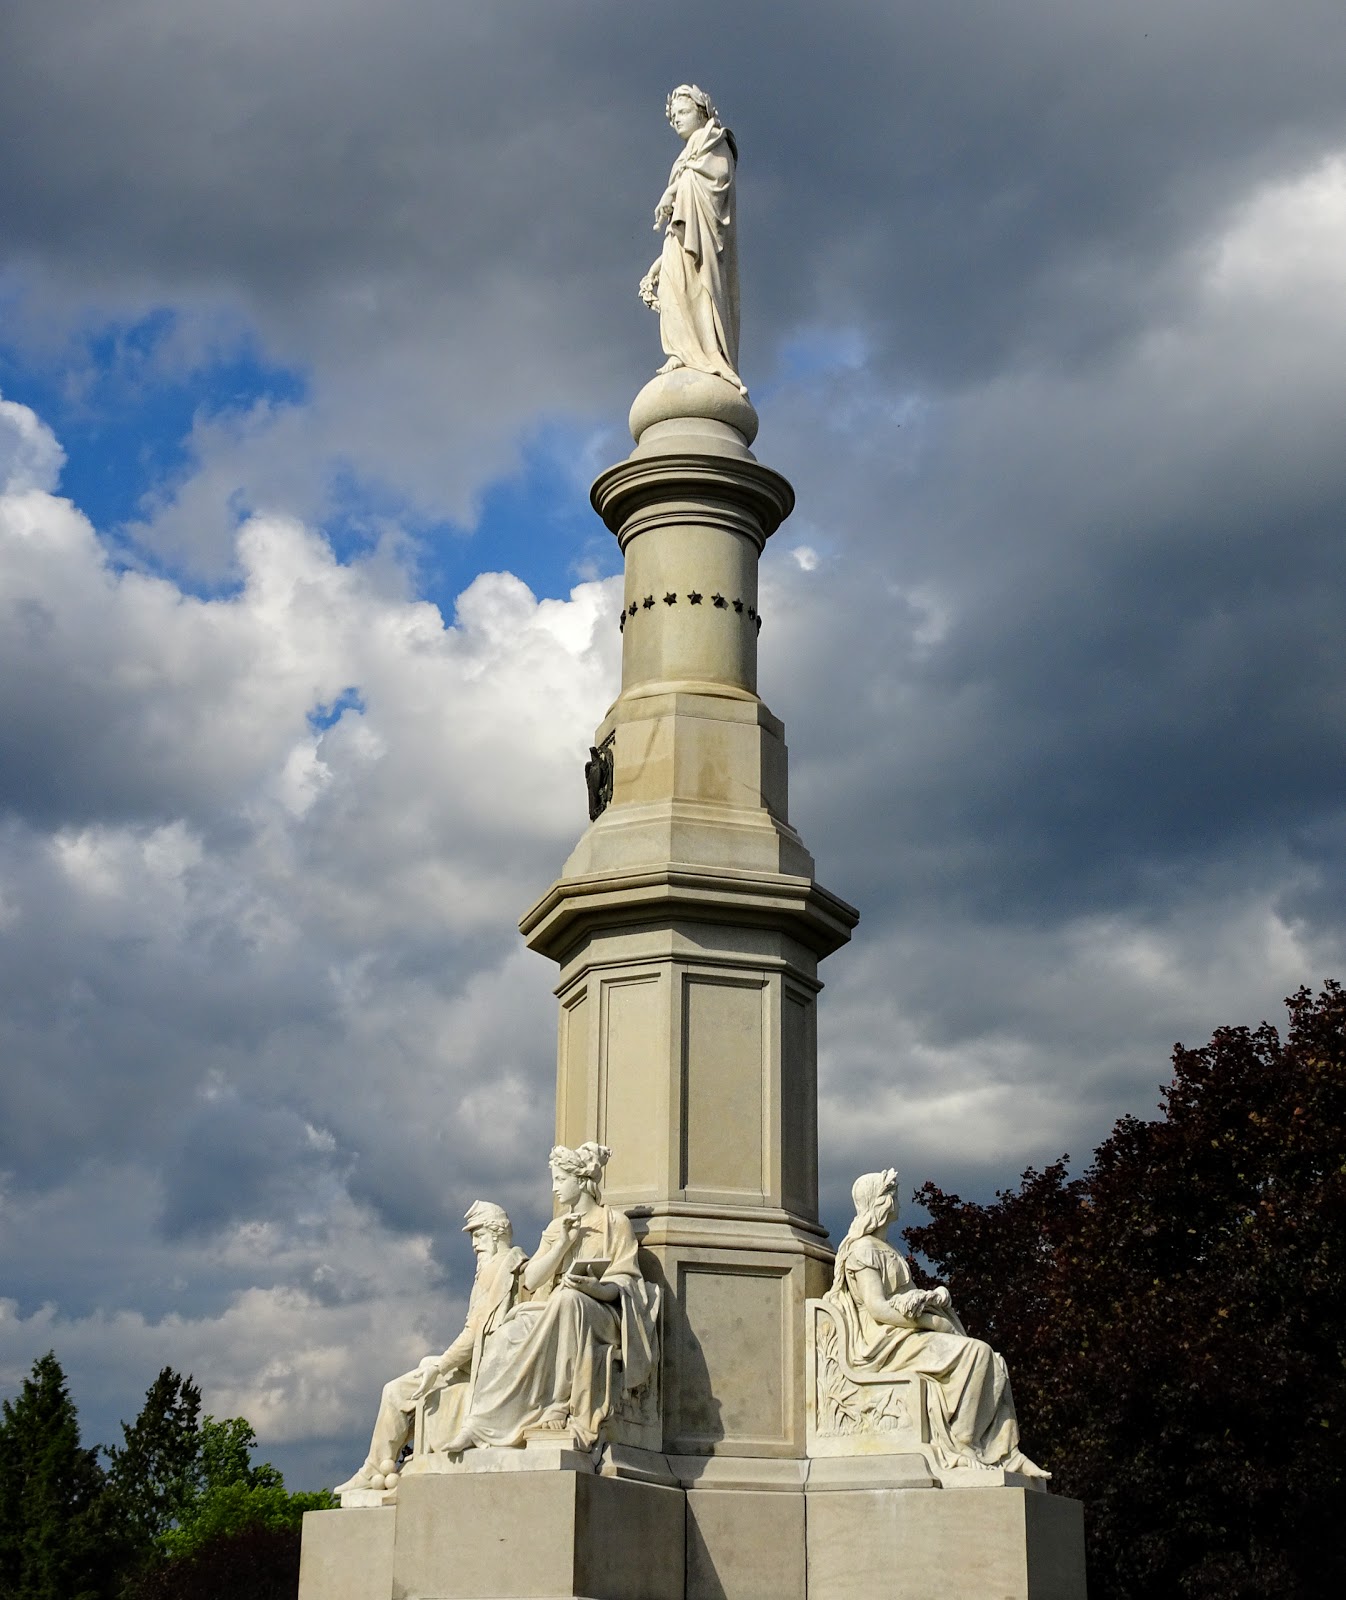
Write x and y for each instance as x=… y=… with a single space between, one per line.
x=695 y=413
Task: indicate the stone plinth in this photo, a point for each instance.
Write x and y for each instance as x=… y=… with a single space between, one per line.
x=525 y=1535
x=745 y=1528
x=525 y=1525
x=909 y=1544
x=347 y=1555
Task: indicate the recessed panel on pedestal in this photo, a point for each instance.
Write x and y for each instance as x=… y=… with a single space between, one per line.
x=799 y=1103
x=729 y=1374
x=631 y=1093
x=573 y=1078
x=724 y=1084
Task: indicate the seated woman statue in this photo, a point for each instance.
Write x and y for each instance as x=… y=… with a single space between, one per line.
x=584 y=1334
x=895 y=1328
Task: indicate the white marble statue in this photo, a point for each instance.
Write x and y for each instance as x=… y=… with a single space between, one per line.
x=900 y=1331
x=585 y=1333
x=444 y=1383
x=694 y=283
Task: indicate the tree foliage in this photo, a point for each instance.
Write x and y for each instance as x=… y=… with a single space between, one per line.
x=1175 y=1319
x=251 y=1563
x=153 y=1475
x=180 y=1511
x=230 y=1508
x=190 y=1487
x=225 y=1457
x=54 y=1531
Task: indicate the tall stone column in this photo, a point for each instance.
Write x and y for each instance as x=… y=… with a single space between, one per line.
x=688 y=926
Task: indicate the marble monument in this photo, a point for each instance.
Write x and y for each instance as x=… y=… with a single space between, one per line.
x=682 y=1394
x=693 y=284
x=430 y=1403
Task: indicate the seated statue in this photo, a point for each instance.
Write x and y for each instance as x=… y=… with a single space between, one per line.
x=898 y=1331
x=584 y=1332
x=441 y=1386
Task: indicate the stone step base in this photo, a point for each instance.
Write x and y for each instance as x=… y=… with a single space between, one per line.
x=682 y=1528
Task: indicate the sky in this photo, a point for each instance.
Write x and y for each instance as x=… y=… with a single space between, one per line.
x=317 y=319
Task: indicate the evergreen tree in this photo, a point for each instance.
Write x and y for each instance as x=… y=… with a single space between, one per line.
x=182 y=1510
x=1175 y=1319
x=54 y=1527
x=154 y=1474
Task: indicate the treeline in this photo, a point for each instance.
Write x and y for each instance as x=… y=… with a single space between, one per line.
x=1175 y=1320
x=177 y=1511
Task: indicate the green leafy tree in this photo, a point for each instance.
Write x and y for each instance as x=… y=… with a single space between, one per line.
x=238 y=1537
x=1175 y=1319
x=226 y=1456
x=234 y=1495
x=183 y=1484
x=230 y=1508
x=55 y=1531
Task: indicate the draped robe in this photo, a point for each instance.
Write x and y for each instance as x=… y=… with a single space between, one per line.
x=562 y=1355
x=969 y=1404
x=698 y=268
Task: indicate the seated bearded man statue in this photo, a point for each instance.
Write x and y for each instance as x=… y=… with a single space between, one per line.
x=584 y=1331
x=445 y=1382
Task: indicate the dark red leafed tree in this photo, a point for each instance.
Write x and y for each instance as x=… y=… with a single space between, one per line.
x=1175 y=1319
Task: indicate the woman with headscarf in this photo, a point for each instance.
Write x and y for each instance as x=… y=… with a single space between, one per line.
x=694 y=283
x=895 y=1328
x=586 y=1333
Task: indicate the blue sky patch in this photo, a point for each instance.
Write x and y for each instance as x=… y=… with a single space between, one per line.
x=326 y=716
x=122 y=403
x=537 y=523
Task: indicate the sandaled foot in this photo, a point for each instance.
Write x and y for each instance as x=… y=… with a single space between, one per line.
x=361 y=1480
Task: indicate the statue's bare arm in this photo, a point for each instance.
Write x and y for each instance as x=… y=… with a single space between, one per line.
x=902 y=1310
x=542 y=1267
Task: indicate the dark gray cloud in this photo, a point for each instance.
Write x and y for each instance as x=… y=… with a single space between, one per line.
x=451 y=211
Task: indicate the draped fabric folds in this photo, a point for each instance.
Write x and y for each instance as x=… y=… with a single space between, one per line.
x=968 y=1400
x=698 y=269
x=562 y=1354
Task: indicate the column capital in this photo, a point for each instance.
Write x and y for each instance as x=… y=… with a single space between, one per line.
x=710 y=490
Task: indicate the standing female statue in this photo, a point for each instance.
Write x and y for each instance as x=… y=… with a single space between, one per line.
x=694 y=283
x=894 y=1328
x=563 y=1356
